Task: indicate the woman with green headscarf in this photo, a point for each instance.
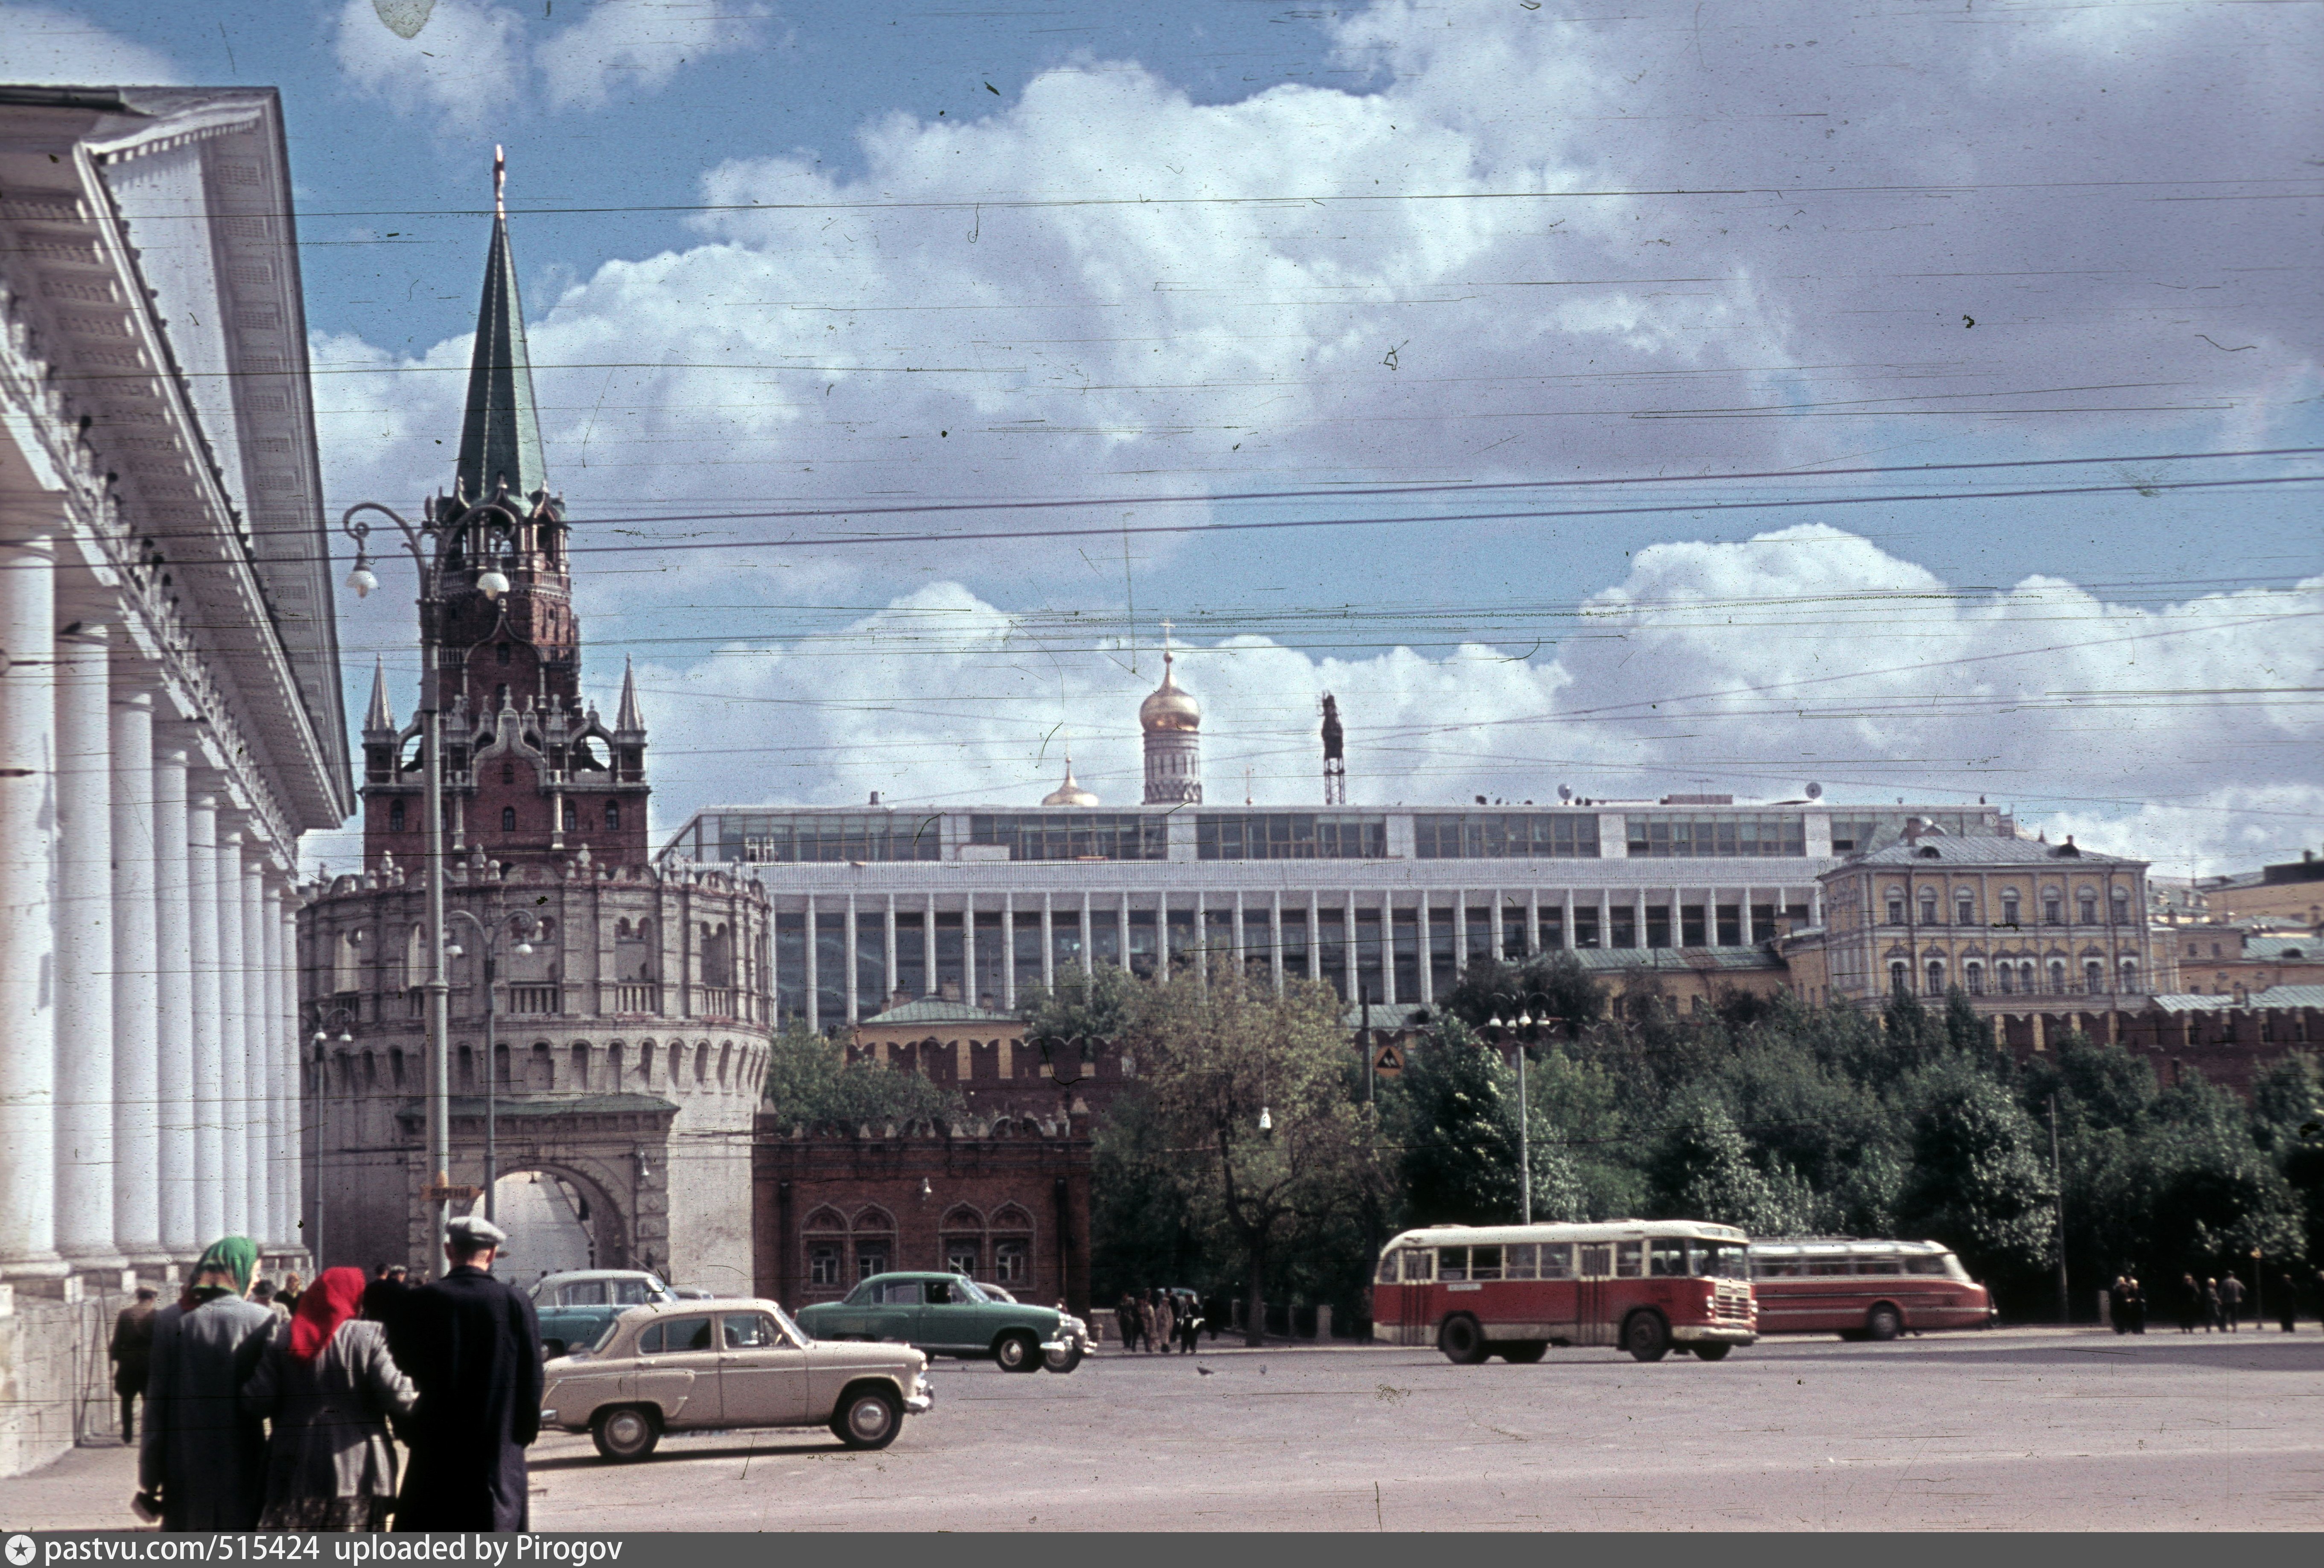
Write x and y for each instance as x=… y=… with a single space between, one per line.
x=205 y=1458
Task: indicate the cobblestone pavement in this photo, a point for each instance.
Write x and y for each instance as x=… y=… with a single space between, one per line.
x=2004 y=1430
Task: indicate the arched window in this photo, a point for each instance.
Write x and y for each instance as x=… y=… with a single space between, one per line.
x=1896 y=909
x=612 y=817
x=2057 y=977
x=1927 y=907
x=572 y=817
x=1965 y=908
x=1936 y=977
x=2053 y=909
x=2088 y=908
x=501 y=653
x=1973 y=973
x=2026 y=978
x=825 y=1236
x=2130 y=975
x=1900 y=977
x=2008 y=974
x=2093 y=976
x=395 y=817
x=874 y=1238
x=508 y=819
x=2121 y=908
x=2009 y=907
x=1013 y=1246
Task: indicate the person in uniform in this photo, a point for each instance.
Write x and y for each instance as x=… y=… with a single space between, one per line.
x=472 y=1347
x=204 y=1457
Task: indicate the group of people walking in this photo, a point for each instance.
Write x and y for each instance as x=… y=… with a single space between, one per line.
x=2213 y=1305
x=1159 y=1321
x=265 y=1415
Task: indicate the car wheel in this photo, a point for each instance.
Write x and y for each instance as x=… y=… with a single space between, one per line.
x=1462 y=1342
x=1712 y=1351
x=625 y=1434
x=868 y=1417
x=1645 y=1336
x=1064 y=1360
x=1017 y=1352
x=1883 y=1322
x=1524 y=1352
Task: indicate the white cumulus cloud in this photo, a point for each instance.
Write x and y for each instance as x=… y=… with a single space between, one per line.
x=53 y=47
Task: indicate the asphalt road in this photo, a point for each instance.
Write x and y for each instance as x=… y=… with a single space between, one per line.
x=1990 y=1431
x=2015 y=1430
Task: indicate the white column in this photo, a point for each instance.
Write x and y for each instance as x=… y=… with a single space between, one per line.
x=28 y=750
x=1089 y=960
x=232 y=1171
x=1241 y=962
x=290 y=1182
x=173 y=1035
x=207 y=1174
x=1275 y=937
x=1639 y=914
x=1388 y=950
x=1500 y=933
x=137 y=984
x=1349 y=950
x=968 y=991
x=1048 y=945
x=1009 y=950
x=1460 y=932
x=887 y=931
x=1533 y=921
x=1566 y=933
x=928 y=948
x=256 y=1009
x=1161 y=934
x=281 y=1073
x=848 y=937
x=1427 y=969
x=814 y=1010
x=84 y=1088
x=1605 y=917
x=1122 y=930
x=1201 y=936
x=1314 y=934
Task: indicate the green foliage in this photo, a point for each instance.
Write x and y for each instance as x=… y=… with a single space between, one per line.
x=1457 y=1119
x=810 y=1083
x=1552 y=986
x=1977 y=1181
x=1702 y=1170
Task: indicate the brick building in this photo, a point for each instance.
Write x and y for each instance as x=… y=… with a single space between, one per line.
x=1006 y=1202
x=983 y=1054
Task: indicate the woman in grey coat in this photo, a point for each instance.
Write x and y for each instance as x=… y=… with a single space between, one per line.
x=202 y=1457
x=329 y=1385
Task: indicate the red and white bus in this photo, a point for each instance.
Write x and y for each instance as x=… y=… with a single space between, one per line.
x=1865 y=1290
x=1512 y=1291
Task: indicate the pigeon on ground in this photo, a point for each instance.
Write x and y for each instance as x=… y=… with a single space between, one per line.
x=1203 y=1371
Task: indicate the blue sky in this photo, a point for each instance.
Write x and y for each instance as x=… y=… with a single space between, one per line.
x=828 y=259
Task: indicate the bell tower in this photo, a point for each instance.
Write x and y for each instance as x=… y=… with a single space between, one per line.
x=531 y=771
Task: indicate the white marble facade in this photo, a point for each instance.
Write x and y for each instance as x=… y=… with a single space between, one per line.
x=170 y=706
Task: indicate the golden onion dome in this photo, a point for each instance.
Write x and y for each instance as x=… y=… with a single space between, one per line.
x=1170 y=706
x=1070 y=792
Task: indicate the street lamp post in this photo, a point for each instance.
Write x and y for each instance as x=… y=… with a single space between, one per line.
x=420 y=540
x=489 y=938
x=325 y=1016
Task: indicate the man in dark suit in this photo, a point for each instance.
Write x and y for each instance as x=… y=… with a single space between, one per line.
x=475 y=1353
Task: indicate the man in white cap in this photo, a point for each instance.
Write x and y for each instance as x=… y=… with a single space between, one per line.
x=474 y=1354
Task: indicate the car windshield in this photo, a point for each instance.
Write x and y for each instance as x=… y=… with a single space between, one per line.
x=791 y=1328
x=1723 y=1259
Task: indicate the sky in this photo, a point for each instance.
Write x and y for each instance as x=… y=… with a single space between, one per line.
x=1922 y=401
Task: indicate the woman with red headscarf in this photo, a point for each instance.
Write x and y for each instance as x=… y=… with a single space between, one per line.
x=329 y=1386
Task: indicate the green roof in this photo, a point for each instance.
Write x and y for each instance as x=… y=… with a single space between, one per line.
x=938 y=1010
x=500 y=438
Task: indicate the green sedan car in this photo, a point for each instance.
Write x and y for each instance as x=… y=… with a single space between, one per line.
x=945 y=1314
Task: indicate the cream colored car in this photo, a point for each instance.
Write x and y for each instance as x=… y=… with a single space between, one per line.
x=697 y=1366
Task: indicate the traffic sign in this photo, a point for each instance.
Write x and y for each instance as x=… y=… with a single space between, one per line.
x=450 y=1194
x=1388 y=1062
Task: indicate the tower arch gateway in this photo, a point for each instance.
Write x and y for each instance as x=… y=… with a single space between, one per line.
x=545 y=835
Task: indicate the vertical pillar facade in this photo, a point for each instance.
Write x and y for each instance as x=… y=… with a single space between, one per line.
x=136 y=981
x=1426 y=940
x=174 y=980
x=275 y=1163
x=28 y=749
x=1009 y=950
x=848 y=948
x=1275 y=937
x=232 y=1170
x=814 y=988
x=887 y=931
x=83 y=943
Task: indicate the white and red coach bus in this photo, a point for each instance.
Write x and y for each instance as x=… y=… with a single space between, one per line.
x=1864 y=1290
x=1512 y=1291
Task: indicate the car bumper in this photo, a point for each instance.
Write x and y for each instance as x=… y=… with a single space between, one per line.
x=1706 y=1334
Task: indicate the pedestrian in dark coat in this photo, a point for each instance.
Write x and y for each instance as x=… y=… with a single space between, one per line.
x=475 y=1359
x=1190 y=1328
x=2231 y=1301
x=1145 y=1320
x=329 y=1386
x=2287 y=1301
x=2190 y=1303
x=132 y=1352
x=2134 y=1298
x=2214 y=1317
x=2118 y=1305
x=203 y=1458
x=1126 y=1315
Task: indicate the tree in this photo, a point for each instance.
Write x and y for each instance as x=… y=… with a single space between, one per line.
x=810 y=1083
x=1552 y=986
x=1702 y=1170
x=1249 y=1095
x=1459 y=1124
x=1979 y=1179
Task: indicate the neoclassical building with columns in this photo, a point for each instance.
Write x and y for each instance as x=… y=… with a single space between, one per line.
x=170 y=706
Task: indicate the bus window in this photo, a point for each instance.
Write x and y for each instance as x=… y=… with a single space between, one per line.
x=1387 y=1275
x=1925 y=1265
x=1822 y=1266
x=1879 y=1266
x=1726 y=1260
x=1520 y=1263
x=1597 y=1262
x=1419 y=1265
x=1629 y=1259
x=1452 y=1263
x=1667 y=1257
x=1484 y=1263
x=1556 y=1261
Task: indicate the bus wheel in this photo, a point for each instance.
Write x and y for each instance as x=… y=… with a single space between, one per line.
x=1462 y=1341
x=1712 y=1351
x=1645 y=1337
x=1523 y=1352
x=1883 y=1322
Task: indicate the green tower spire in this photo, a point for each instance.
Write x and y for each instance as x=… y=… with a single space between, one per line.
x=501 y=437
